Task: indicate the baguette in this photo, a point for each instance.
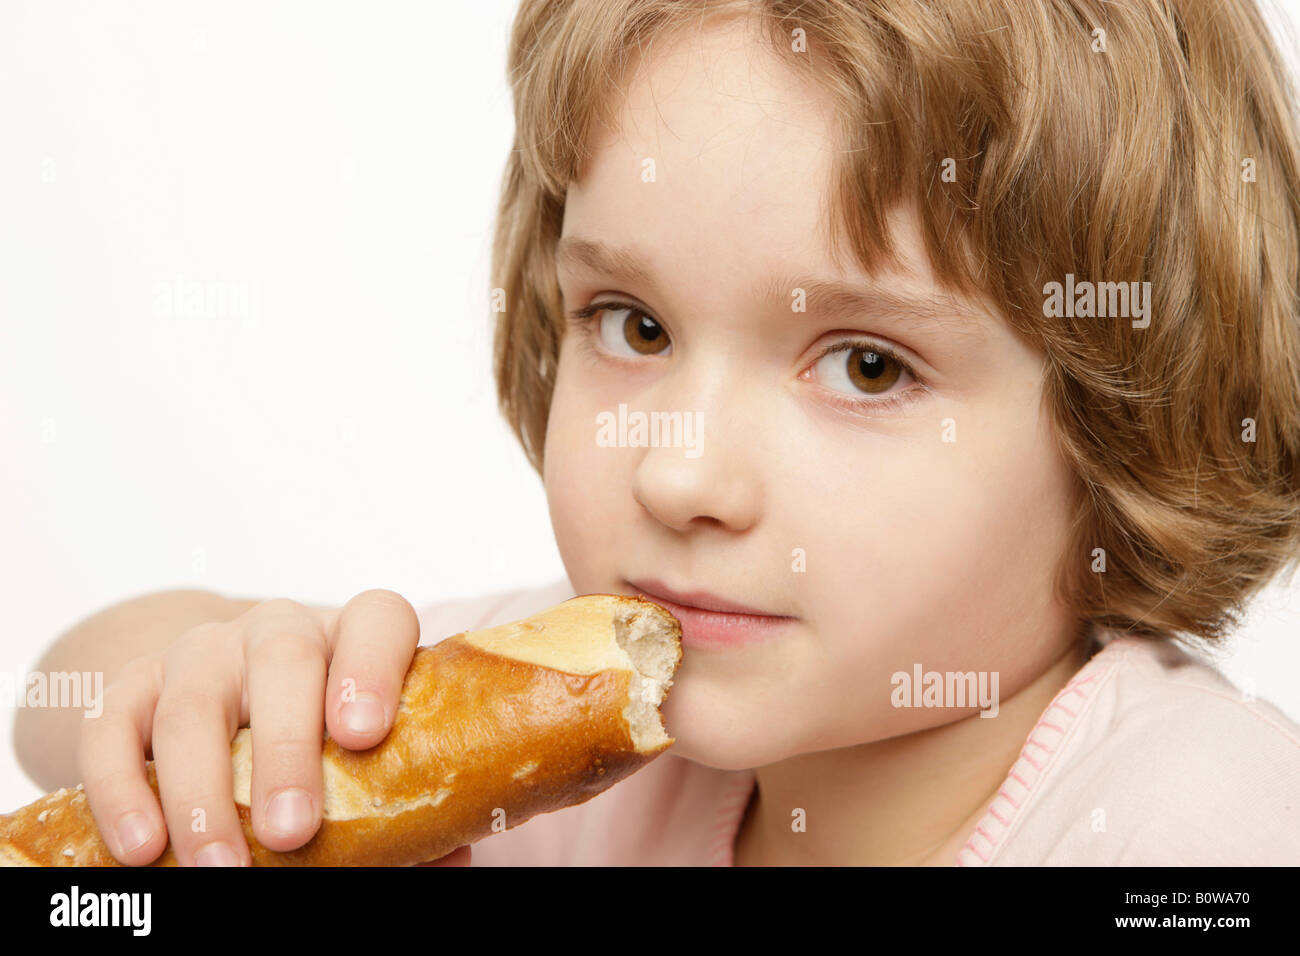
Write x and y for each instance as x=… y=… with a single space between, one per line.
x=493 y=727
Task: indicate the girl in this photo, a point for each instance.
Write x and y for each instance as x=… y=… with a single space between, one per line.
x=938 y=546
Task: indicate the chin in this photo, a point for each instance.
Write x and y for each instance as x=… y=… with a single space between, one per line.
x=710 y=737
x=718 y=754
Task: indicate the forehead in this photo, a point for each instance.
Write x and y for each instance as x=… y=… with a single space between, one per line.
x=714 y=133
x=724 y=72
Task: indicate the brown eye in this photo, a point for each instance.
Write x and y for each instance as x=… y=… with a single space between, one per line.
x=627 y=331
x=643 y=333
x=871 y=372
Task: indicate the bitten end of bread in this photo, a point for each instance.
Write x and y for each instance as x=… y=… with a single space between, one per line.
x=574 y=637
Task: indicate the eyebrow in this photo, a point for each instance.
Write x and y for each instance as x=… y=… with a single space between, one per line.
x=826 y=298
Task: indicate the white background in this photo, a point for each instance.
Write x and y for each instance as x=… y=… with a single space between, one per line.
x=338 y=165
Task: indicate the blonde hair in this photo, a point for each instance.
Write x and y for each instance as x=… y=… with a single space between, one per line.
x=1116 y=157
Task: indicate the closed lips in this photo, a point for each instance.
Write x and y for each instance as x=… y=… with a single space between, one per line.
x=696 y=600
x=711 y=623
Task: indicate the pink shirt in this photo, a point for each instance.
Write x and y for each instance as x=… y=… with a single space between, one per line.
x=1147 y=757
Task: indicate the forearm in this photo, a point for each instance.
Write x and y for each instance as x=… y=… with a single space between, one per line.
x=45 y=738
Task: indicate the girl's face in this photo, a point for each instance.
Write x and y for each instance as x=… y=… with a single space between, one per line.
x=900 y=518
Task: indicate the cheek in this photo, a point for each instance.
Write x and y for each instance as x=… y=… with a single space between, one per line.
x=582 y=488
x=927 y=553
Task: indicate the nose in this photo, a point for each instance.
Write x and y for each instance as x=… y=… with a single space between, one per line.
x=717 y=486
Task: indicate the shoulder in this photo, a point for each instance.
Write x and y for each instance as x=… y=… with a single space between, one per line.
x=1152 y=757
x=442 y=619
x=1177 y=712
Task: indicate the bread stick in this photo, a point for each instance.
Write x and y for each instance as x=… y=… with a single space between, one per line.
x=493 y=727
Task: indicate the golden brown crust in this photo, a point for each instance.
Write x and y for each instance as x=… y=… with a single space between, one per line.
x=481 y=742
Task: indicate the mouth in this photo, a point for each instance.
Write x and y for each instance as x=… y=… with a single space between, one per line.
x=710 y=621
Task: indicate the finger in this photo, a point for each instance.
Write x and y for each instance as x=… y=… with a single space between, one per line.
x=111 y=760
x=457 y=857
x=374 y=637
x=285 y=651
x=193 y=725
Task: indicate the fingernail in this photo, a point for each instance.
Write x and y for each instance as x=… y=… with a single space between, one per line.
x=216 y=854
x=365 y=715
x=289 y=811
x=133 y=831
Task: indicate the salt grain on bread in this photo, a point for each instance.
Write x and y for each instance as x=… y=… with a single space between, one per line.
x=493 y=727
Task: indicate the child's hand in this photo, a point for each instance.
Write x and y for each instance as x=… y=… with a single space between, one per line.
x=277 y=669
